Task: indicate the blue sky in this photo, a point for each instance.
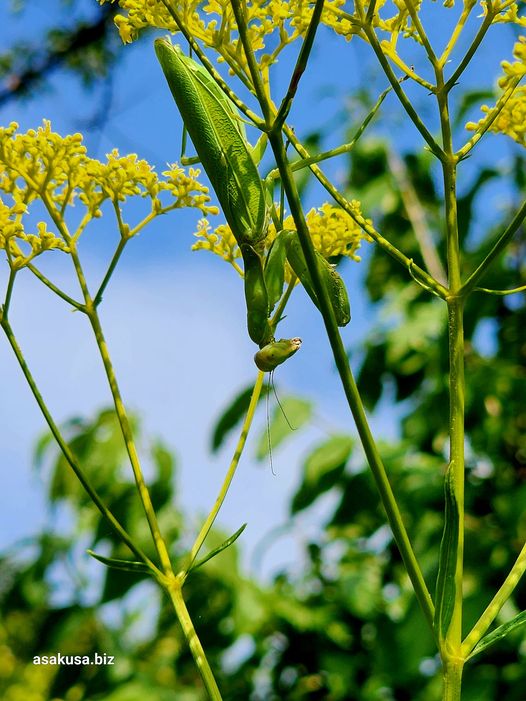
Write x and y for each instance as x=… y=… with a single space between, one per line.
x=174 y=319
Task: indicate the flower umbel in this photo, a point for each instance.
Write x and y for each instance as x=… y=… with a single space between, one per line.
x=333 y=231
x=43 y=166
x=512 y=118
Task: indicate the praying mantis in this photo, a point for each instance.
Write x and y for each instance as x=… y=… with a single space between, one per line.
x=219 y=137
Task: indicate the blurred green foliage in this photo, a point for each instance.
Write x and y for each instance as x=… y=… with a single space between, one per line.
x=346 y=626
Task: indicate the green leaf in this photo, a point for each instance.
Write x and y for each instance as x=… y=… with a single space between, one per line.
x=322 y=470
x=127 y=565
x=446 y=588
x=226 y=544
x=298 y=412
x=499 y=633
x=232 y=416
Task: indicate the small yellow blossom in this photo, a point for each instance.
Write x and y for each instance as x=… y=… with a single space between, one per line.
x=512 y=118
x=221 y=241
x=42 y=165
x=506 y=12
x=334 y=233
x=271 y=23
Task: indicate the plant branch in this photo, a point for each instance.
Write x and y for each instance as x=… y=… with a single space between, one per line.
x=36 y=272
x=196 y=547
x=173 y=589
x=124 y=423
x=395 y=83
x=490 y=118
x=486 y=24
x=421 y=32
x=386 y=245
x=238 y=8
x=4 y=309
x=254 y=118
x=501 y=293
x=107 y=277
x=498 y=601
x=499 y=246
x=300 y=66
x=127 y=434
x=68 y=454
x=457 y=31
x=339 y=150
x=350 y=388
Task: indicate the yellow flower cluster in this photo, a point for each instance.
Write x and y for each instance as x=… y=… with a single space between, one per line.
x=221 y=241
x=42 y=165
x=270 y=22
x=507 y=11
x=334 y=233
x=512 y=118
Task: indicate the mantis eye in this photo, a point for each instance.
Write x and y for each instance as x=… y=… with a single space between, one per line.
x=276 y=352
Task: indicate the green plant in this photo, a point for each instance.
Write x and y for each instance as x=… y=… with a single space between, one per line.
x=266 y=246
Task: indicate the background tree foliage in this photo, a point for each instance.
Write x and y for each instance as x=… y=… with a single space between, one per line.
x=347 y=626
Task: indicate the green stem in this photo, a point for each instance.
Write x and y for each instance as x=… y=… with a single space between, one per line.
x=127 y=434
x=107 y=277
x=198 y=653
x=490 y=119
x=453 y=680
x=421 y=32
x=486 y=24
x=497 y=248
x=276 y=317
x=395 y=83
x=417 y=216
x=144 y=494
x=4 y=309
x=238 y=9
x=453 y=567
x=254 y=118
x=498 y=601
x=350 y=388
x=501 y=293
x=300 y=66
x=69 y=456
x=36 y=272
x=196 y=547
x=415 y=270
x=457 y=31
x=339 y=150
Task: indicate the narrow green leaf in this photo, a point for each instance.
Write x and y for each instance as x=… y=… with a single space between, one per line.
x=232 y=416
x=127 y=565
x=446 y=588
x=499 y=633
x=298 y=412
x=226 y=544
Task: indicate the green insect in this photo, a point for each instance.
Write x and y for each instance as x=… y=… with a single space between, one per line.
x=217 y=133
x=256 y=296
x=333 y=282
x=276 y=352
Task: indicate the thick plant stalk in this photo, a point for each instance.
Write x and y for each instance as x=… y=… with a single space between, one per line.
x=340 y=356
x=451 y=566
